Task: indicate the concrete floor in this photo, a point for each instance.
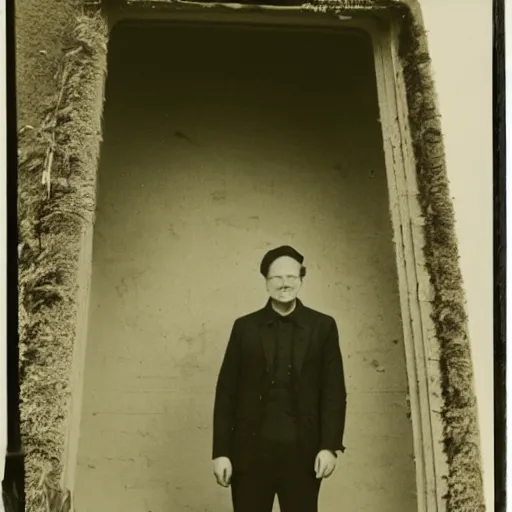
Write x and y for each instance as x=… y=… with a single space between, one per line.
x=219 y=144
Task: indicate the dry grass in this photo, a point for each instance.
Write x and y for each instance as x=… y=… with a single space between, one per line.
x=57 y=172
x=47 y=498
x=461 y=431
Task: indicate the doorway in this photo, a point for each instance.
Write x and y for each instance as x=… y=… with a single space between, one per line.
x=219 y=143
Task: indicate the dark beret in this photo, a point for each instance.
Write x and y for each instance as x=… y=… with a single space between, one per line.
x=272 y=255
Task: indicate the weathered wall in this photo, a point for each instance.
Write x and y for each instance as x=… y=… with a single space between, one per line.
x=211 y=155
x=462 y=68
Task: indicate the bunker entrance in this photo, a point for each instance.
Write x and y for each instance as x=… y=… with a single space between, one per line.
x=219 y=143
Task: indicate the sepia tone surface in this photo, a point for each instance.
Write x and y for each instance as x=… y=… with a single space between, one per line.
x=51 y=227
x=211 y=156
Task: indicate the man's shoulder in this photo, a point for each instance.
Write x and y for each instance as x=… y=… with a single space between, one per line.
x=309 y=313
x=252 y=316
x=318 y=315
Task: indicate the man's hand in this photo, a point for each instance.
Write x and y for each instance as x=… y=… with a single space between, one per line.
x=222 y=470
x=325 y=463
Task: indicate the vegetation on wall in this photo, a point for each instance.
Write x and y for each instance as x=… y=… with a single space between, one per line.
x=461 y=431
x=56 y=199
x=59 y=139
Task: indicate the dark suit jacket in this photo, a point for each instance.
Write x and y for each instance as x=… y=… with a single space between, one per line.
x=245 y=377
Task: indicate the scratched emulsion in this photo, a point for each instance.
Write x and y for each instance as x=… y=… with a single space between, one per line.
x=219 y=144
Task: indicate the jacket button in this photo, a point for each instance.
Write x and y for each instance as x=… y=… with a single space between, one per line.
x=261 y=397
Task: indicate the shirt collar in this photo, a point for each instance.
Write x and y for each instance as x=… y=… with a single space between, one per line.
x=270 y=315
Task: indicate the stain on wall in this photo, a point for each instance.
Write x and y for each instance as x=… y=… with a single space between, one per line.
x=219 y=144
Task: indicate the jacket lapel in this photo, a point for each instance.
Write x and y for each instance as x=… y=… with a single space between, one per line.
x=268 y=344
x=301 y=339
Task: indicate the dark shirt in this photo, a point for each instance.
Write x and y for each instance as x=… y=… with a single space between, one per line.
x=280 y=418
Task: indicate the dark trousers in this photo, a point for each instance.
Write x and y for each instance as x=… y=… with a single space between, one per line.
x=277 y=470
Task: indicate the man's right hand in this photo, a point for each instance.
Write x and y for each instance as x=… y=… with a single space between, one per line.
x=222 y=470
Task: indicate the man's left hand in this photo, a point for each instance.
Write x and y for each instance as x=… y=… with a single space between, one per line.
x=325 y=463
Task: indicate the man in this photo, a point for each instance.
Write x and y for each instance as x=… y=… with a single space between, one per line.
x=280 y=402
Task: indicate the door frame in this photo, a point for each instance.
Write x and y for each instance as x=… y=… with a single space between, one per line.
x=416 y=292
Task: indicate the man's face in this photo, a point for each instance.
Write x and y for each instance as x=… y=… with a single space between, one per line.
x=283 y=279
